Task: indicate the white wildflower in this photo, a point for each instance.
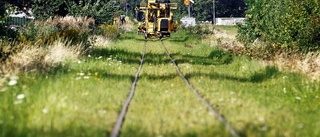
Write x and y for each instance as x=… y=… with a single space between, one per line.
x=45 y=111
x=298 y=98
x=261 y=119
x=12 y=82
x=21 y=96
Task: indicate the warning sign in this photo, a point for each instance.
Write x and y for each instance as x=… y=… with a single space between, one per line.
x=186 y=2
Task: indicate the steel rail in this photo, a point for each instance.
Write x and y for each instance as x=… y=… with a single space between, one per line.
x=120 y=120
x=219 y=116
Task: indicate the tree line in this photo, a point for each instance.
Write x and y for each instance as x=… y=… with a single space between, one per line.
x=103 y=10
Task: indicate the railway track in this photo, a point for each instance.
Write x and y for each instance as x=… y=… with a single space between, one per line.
x=120 y=120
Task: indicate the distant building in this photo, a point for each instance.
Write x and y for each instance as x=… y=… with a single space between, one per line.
x=229 y=21
x=18 y=19
x=188 y=21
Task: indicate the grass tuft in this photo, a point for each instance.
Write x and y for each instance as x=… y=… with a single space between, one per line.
x=100 y=41
x=308 y=64
x=290 y=61
x=33 y=57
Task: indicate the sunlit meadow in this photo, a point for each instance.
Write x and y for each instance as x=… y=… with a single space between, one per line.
x=83 y=96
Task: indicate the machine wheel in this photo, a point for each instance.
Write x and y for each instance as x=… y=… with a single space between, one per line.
x=145 y=36
x=160 y=36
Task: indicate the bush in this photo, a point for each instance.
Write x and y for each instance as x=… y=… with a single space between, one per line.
x=110 y=31
x=101 y=11
x=74 y=29
x=287 y=23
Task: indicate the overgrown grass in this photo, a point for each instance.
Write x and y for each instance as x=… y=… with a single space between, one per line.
x=284 y=60
x=83 y=97
x=79 y=100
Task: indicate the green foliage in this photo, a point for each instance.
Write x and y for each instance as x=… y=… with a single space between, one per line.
x=76 y=30
x=7 y=33
x=202 y=9
x=100 y=10
x=109 y=31
x=37 y=32
x=2 y=9
x=223 y=56
x=230 y=8
x=291 y=24
x=43 y=9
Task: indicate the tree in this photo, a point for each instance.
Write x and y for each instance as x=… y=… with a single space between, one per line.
x=202 y=9
x=44 y=9
x=100 y=10
x=2 y=8
x=290 y=24
x=230 y=8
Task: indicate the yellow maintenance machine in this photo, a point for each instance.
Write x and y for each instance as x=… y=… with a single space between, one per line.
x=157 y=18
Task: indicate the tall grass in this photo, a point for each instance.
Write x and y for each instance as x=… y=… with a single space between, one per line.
x=293 y=61
x=33 y=57
x=67 y=101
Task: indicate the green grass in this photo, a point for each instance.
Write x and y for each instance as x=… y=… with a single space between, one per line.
x=83 y=98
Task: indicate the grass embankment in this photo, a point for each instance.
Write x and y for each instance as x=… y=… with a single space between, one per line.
x=84 y=97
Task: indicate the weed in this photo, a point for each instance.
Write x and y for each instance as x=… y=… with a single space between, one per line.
x=32 y=57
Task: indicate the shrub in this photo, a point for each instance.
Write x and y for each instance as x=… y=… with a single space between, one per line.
x=34 y=57
x=74 y=29
x=110 y=31
x=288 y=23
x=100 y=10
